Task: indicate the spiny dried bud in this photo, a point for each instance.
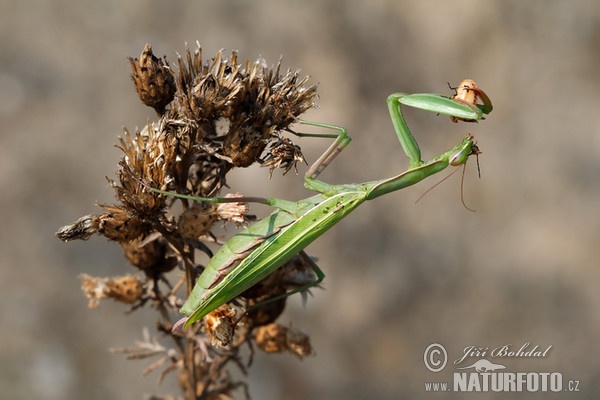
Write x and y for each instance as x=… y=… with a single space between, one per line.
x=206 y=90
x=197 y=220
x=244 y=143
x=275 y=338
x=81 y=229
x=257 y=101
x=150 y=157
x=126 y=289
x=283 y=154
x=149 y=256
x=120 y=225
x=153 y=80
x=268 y=103
x=220 y=325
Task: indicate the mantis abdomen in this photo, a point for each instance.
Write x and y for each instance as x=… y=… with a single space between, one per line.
x=251 y=255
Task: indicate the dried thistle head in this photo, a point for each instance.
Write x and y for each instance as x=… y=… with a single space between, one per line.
x=118 y=224
x=150 y=255
x=220 y=326
x=233 y=212
x=150 y=157
x=275 y=338
x=197 y=220
x=267 y=104
x=82 y=229
x=127 y=289
x=283 y=154
x=153 y=80
x=258 y=102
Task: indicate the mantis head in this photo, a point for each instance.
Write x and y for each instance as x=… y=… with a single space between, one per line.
x=467 y=148
x=459 y=157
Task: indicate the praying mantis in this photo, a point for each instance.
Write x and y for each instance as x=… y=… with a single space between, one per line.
x=252 y=254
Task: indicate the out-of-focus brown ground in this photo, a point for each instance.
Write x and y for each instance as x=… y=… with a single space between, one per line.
x=400 y=276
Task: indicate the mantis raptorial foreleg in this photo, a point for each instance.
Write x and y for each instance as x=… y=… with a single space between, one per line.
x=254 y=253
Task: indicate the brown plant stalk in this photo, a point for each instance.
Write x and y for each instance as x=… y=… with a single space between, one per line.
x=212 y=115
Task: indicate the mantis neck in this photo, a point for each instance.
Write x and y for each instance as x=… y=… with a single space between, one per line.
x=408 y=178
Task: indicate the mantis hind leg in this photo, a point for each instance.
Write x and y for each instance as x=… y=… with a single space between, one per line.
x=306 y=260
x=341 y=141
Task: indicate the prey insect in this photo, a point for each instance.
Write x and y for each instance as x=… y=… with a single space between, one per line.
x=467 y=92
x=252 y=254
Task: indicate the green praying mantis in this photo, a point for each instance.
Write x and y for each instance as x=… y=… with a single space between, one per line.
x=252 y=254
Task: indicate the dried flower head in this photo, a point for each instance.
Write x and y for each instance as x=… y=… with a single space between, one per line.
x=82 y=229
x=220 y=325
x=126 y=289
x=197 y=220
x=283 y=154
x=275 y=338
x=150 y=255
x=153 y=80
x=257 y=102
x=233 y=212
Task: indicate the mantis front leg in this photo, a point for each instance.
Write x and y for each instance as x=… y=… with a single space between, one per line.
x=341 y=141
x=463 y=110
x=430 y=102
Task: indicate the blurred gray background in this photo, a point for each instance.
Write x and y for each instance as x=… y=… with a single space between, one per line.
x=400 y=276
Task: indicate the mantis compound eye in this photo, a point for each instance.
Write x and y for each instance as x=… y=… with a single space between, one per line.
x=461 y=156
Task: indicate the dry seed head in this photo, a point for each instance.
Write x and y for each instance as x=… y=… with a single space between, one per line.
x=119 y=225
x=283 y=154
x=275 y=338
x=197 y=220
x=150 y=157
x=220 y=326
x=205 y=89
x=150 y=256
x=298 y=343
x=81 y=229
x=233 y=212
x=258 y=102
x=153 y=80
x=126 y=289
x=266 y=313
